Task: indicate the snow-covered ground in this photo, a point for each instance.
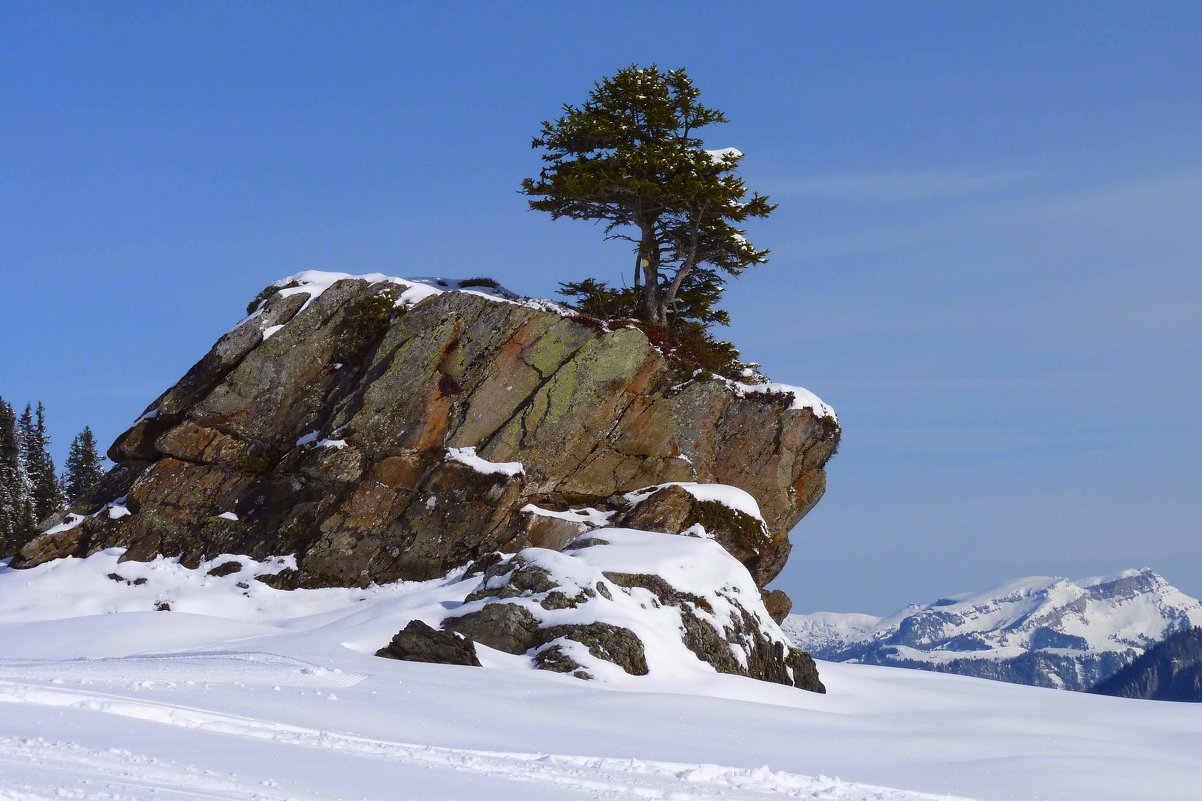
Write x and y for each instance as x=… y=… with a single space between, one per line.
x=252 y=693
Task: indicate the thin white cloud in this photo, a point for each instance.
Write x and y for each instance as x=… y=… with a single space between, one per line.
x=891 y=187
x=1157 y=214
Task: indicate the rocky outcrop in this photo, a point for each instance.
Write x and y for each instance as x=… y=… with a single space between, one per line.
x=630 y=601
x=380 y=429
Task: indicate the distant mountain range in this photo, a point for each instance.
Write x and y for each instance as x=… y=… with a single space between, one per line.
x=1169 y=671
x=1043 y=631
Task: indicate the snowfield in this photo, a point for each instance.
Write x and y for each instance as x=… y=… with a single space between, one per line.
x=246 y=692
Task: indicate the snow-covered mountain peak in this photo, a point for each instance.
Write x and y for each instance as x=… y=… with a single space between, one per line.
x=1145 y=573
x=1116 y=615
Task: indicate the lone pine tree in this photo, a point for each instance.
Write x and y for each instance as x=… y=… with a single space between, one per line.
x=629 y=158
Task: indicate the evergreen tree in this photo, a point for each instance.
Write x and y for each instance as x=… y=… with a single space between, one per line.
x=629 y=157
x=45 y=492
x=26 y=448
x=10 y=486
x=27 y=524
x=19 y=434
x=83 y=466
x=39 y=494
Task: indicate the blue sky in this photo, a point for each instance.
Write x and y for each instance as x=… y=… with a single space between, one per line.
x=986 y=254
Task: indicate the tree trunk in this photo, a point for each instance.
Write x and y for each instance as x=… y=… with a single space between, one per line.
x=649 y=305
x=669 y=295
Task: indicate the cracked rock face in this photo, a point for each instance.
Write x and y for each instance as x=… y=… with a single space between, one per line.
x=323 y=426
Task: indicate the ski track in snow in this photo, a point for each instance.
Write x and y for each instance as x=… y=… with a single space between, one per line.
x=122 y=774
x=217 y=667
x=128 y=775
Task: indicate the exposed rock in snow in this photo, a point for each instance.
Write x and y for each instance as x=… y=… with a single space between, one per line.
x=730 y=497
x=633 y=602
x=714 y=511
x=417 y=642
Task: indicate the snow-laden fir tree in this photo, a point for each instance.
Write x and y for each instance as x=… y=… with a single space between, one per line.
x=38 y=494
x=630 y=157
x=12 y=498
x=27 y=516
x=83 y=466
x=44 y=489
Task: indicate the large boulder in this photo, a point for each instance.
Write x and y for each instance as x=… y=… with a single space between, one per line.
x=382 y=429
x=419 y=642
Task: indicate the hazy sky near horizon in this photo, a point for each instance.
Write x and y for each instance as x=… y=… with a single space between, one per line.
x=986 y=254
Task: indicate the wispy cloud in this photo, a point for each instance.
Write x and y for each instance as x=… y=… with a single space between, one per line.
x=891 y=187
x=1157 y=215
